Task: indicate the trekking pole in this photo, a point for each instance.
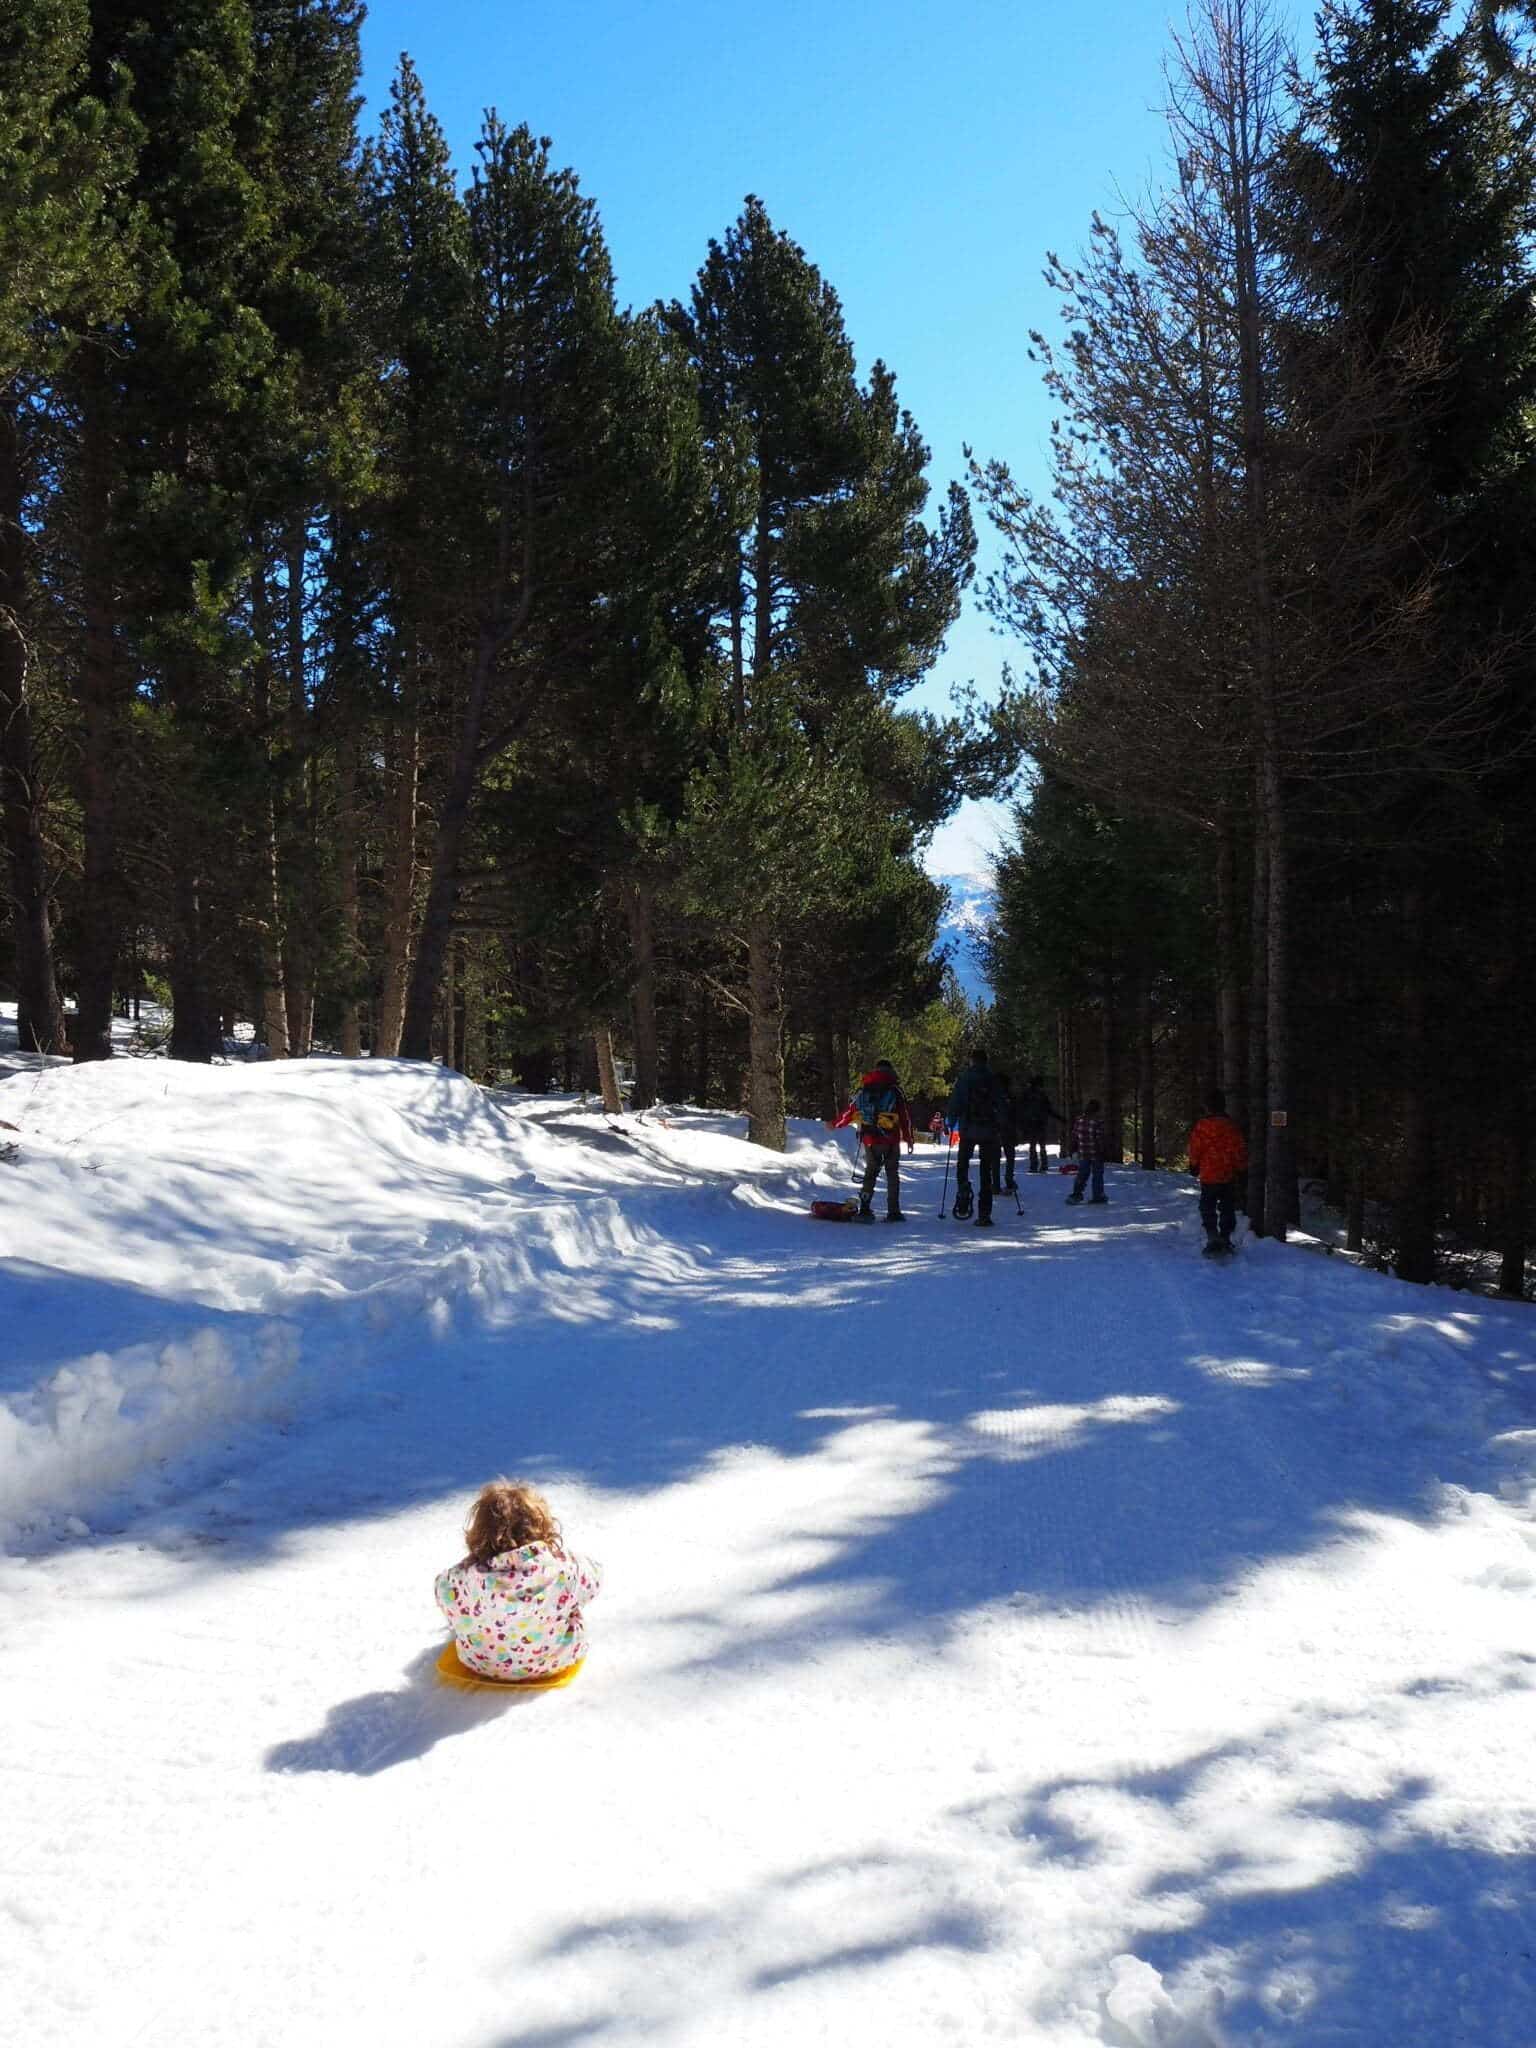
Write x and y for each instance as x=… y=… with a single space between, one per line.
x=1018 y=1199
x=944 y=1197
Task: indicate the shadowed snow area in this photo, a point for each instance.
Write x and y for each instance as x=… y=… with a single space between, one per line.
x=1037 y=1636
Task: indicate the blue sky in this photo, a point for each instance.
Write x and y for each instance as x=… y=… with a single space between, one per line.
x=925 y=156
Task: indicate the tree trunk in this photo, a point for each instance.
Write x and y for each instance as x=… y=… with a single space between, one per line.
x=274 y=999
x=1229 y=1011
x=1417 y=1193
x=399 y=894
x=477 y=1062
x=350 y=1026
x=702 y=1068
x=536 y=1069
x=1354 y=1214
x=1238 y=92
x=448 y=1049
x=581 y=1065
x=299 y=1002
x=602 y=1040
x=1514 y=1222
x=298 y=845
x=195 y=1033
x=765 y=996
x=1279 y=1167
x=1258 y=1031
x=1147 y=1082
x=639 y=904
x=675 y=1079
x=1109 y=1051
x=102 y=911
x=447 y=852
x=826 y=1068
x=274 y=995
x=40 y=1013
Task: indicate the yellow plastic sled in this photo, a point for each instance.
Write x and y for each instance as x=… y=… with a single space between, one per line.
x=452 y=1672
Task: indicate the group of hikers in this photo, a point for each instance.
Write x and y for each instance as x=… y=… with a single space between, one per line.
x=992 y=1124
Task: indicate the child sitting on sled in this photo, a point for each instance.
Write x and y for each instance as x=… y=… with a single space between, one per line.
x=515 y=1601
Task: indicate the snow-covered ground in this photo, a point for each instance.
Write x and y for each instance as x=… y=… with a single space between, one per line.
x=1035 y=1637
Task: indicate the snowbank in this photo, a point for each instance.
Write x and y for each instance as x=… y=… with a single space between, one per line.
x=328 y=1213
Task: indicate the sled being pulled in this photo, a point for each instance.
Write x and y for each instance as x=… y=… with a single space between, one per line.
x=835 y=1212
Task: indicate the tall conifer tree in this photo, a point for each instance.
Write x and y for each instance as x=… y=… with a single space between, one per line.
x=63 y=151
x=536 y=457
x=838 y=598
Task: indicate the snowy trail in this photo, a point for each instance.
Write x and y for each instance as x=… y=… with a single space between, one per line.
x=1035 y=1637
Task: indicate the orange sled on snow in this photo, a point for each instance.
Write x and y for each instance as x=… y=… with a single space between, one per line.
x=835 y=1212
x=452 y=1672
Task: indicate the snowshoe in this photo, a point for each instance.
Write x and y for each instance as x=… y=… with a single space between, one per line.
x=985 y=1223
x=866 y=1214
x=963 y=1204
x=895 y=1215
x=1073 y=1198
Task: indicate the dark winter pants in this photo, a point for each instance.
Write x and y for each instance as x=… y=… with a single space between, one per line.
x=986 y=1150
x=876 y=1158
x=1218 y=1208
x=1009 y=1148
x=1036 y=1142
x=1094 y=1167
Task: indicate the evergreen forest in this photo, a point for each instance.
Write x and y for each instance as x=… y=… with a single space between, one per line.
x=406 y=649
x=1277 y=620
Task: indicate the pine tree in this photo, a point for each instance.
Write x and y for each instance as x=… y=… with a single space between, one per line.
x=837 y=601
x=62 y=152
x=307 y=460
x=539 y=388
x=415 y=302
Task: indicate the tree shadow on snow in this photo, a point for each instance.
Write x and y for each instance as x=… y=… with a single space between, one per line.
x=834 y=1919
x=1276 y=1904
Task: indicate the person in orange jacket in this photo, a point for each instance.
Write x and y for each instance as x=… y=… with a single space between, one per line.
x=1218 y=1153
x=885 y=1124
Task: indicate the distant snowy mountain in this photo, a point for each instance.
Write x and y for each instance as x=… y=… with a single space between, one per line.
x=964 y=928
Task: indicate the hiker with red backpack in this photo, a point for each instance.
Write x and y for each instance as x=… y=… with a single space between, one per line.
x=884 y=1120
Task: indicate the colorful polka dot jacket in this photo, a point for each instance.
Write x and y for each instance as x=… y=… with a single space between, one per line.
x=522 y=1616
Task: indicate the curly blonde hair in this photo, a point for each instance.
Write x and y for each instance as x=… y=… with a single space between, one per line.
x=507 y=1514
